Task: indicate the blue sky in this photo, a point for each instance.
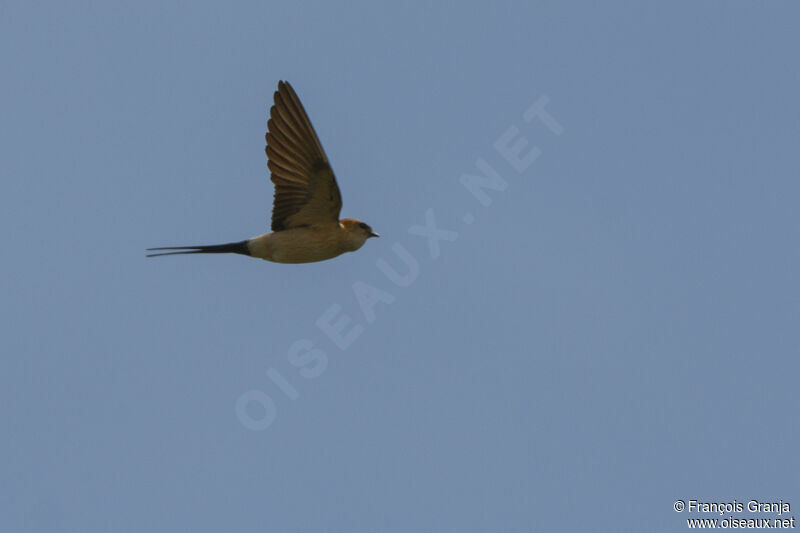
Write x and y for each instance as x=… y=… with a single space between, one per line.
x=615 y=330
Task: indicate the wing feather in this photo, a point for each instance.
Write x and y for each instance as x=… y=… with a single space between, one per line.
x=306 y=192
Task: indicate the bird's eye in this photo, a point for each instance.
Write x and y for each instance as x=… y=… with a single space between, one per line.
x=363 y=226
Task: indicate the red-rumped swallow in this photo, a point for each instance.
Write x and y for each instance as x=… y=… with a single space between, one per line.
x=307 y=202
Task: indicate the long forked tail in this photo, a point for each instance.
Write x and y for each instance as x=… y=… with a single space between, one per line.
x=230 y=248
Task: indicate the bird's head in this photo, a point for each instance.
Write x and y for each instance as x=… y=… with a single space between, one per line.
x=358 y=232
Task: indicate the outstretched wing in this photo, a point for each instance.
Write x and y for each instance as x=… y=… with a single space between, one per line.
x=305 y=188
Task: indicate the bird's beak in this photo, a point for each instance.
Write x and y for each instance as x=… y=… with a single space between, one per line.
x=373 y=234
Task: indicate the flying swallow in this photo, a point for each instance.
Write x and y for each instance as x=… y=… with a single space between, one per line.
x=307 y=202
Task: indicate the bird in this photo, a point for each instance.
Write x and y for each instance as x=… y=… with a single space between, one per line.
x=305 y=214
